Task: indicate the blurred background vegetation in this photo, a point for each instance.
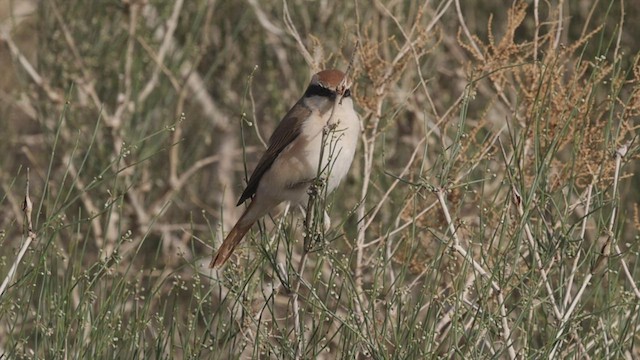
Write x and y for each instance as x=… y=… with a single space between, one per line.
x=491 y=210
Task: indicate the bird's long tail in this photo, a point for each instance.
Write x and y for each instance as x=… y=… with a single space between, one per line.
x=234 y=238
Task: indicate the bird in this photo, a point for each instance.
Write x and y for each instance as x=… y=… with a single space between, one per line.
x=291 y=163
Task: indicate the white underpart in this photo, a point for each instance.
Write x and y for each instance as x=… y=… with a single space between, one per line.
x=298 y=162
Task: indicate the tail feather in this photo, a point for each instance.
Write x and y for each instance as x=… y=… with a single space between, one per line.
x=255 y=211
x=229 y=244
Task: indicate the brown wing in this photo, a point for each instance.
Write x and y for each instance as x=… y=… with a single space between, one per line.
x=283 y=135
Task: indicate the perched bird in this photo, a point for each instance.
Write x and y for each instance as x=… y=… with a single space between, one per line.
x=290 y=164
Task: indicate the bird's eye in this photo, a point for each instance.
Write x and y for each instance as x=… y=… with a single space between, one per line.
x=347 y=93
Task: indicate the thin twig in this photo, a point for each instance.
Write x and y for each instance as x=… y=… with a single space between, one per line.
x=620 y=28
x=574 y=267
x=166 y=45
x=506 y=330
x=124 y=99
x=296 y=308
x=52 y=94
x=560 y=28
x=30 y=237
x=619 y=154
x=296 y=36
x=567 y=315
x=467 y=32
x=395 y=183
x=536 y=30
x=516 y=199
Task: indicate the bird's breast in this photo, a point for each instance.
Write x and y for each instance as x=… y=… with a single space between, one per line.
x=338 y=145
x=298 y=164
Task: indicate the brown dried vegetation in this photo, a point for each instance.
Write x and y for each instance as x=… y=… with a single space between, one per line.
x=492 y=210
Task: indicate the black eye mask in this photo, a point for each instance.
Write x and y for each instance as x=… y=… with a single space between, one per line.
x=317 y=90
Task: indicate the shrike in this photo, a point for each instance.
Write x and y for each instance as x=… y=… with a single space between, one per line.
x=290 y=164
